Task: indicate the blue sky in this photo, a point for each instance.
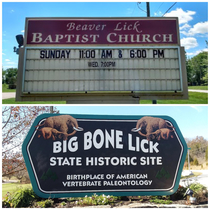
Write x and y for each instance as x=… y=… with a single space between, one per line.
x=192 y=120
x=193 y=19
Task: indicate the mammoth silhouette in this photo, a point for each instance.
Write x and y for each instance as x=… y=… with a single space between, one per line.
x=146 y=126
x=163 y=133
x=65 y=124
x=48 y=133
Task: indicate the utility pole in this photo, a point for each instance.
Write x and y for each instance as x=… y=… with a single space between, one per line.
x=148 y=9
x=51 y=109
x=188 y=158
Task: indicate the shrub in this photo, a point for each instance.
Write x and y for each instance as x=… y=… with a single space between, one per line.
x=44 y=204
x=197 y=187
x=23 y=197
x=195 y=162
x=96 y=200
x=160 y=199
x=199 y=191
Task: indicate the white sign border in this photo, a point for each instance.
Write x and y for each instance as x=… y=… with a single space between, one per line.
x=102 y=47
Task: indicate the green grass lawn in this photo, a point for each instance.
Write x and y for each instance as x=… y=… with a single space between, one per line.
x=194 y=98
x=10 y=187
x=198 y=87
x=12 y=101
x=6 y=89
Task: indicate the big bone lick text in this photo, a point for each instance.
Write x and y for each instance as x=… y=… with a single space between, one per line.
x=100 y=139
x=110 y=140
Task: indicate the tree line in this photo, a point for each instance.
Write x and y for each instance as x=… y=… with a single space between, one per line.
x=198 y=151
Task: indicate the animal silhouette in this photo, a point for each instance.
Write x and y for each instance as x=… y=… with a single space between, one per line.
x=65 y=124
x=163 y=133
x=148 y=125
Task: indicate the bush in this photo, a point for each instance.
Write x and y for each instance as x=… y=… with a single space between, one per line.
x=200 y=192
x=195 y=162
x=96 y=200
x=160 y=199
x=196 y=187
x=44 y=204
x=23 y=197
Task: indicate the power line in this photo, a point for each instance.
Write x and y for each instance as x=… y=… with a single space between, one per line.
x=140 y=7
x=169 y=8
x=159 y=6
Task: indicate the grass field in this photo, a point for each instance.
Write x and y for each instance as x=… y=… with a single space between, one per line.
x=10 y=187
x=194 y=98
x=12 y=101
x=5 y=89
x=198 y=87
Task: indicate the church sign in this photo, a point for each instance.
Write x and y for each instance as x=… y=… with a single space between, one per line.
x=113 y=60
x=78 y=155
x=102 y=31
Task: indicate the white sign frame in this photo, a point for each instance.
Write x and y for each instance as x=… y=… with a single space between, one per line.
x=104 y=48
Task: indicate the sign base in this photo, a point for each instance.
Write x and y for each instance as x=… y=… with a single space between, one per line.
x=102 y=100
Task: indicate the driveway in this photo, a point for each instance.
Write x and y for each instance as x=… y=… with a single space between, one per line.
x=200 y=91
x=8 y=95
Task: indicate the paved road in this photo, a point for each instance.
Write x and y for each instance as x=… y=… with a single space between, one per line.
x=8 y=95
x=202 y=179
x=200 y=91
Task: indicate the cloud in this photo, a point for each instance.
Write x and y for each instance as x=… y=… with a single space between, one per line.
x=189 y=42
x=8 y=62
x=199 y=28
x=22 y=31
x=12 y=10
x=196 y=52
x=11 y=63
x=197 y=108
x=184 y=16
x=184 y=27
x=129 y=11
x=158 y=14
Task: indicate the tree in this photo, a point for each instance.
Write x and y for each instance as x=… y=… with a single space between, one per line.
x=198 y=146
x=16 y=122
x=195 y=162
x=11 y=77
x=189 y=67
x=3 y=76
x=197 y=69
x=206 y=155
